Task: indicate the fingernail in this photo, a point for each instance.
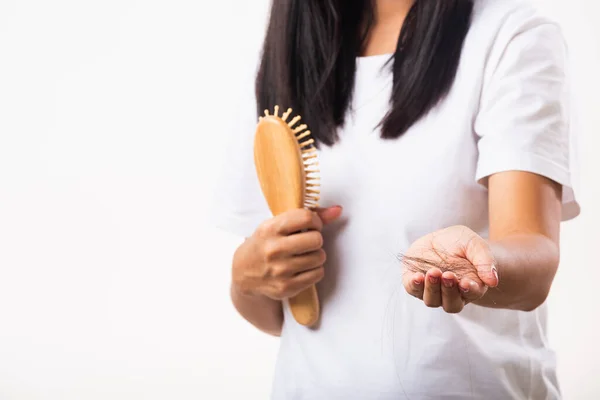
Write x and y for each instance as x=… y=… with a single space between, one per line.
x=448 y=282
x=466 y=289
x=434 y=279
x=417 y=282
x=495 y=272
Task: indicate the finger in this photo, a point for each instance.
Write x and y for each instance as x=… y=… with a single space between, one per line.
x=452 y=300
x=432 y=294
x=300 y=282
x=471 y=290
x=295 y=221
x=414 y=284
x=330 y=214
x=479 y=253
x=305 y=262
x=301 y=243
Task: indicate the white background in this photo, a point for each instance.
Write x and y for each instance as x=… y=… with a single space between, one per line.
x=113 y=116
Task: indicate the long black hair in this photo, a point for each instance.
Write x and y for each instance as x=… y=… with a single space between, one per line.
x=309 y=60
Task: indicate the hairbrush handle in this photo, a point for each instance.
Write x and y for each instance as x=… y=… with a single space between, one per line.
x=285 y=162
x=305 y=306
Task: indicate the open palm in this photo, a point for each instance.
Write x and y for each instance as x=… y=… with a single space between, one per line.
x=449 y=268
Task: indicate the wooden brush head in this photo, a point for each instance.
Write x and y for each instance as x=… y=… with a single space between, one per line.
x=285 y=163
x=279 y=166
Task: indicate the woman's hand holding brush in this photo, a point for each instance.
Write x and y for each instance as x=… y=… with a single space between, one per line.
x=283 y=257
x=285 y=254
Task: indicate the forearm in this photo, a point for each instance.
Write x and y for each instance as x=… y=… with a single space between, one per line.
x=264 y=313
x=526 y=265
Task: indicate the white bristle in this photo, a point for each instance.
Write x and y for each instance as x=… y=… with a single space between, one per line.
x=302 y=136
x=307 y=143
x=300 y=128
x=293 y=121
x=276 y=113
x=285 y=116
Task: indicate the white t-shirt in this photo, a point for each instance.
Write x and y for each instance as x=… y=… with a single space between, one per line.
x=508 y=110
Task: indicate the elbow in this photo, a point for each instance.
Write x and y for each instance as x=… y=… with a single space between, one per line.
x=535 y=301
x=538 y=296
x=272 y=332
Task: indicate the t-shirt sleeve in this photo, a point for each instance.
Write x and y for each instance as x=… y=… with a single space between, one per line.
x=524 y=120
x=238 y=205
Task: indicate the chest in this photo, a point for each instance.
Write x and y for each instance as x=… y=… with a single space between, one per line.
x=421 y=182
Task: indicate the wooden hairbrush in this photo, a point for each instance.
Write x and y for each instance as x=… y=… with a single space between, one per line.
x=286 y=163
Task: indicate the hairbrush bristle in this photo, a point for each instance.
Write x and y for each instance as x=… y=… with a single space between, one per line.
x=294 y=120
x=285 y=115
x=300 y=128
x=303 y=135
x=306 y=143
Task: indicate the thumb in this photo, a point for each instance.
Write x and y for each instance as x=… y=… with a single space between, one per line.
x=329 y=214
x=479 y=254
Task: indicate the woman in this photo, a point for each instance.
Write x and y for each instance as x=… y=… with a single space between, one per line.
x=443 y=138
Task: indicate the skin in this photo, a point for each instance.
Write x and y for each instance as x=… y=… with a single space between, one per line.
x=389 y=17
x=512 y=269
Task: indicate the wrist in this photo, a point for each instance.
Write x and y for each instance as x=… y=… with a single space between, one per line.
x=239 y=284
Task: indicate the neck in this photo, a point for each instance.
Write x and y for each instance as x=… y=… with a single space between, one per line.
x=389 y=18
x=392 y=10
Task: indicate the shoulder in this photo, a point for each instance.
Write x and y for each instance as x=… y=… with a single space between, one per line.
x=509 y=15
x=496 y=23
x=517 y=29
